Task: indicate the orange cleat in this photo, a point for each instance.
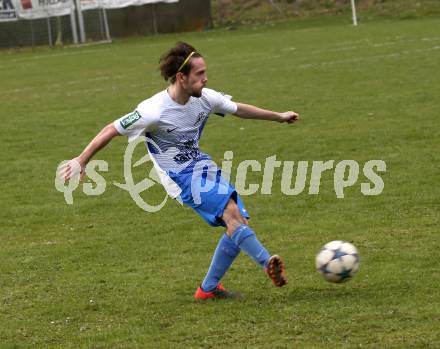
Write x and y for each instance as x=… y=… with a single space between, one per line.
x=276 y=271
x=218 y=293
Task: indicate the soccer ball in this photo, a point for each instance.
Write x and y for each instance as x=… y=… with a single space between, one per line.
x=337 y=261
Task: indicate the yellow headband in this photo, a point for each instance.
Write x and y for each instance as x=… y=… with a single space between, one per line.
x=185 y=61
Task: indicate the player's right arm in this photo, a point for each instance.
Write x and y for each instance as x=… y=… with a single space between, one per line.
x=79 y=163
x=132 y=125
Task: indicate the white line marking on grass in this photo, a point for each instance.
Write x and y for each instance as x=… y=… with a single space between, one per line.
x=352 y=60
x=376 y=57
x=57 y=54
x=432 y=38
x=264 y=59
x=367 y=44
x=372 y=44
x=81 y=51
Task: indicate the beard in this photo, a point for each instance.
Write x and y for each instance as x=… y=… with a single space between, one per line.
x=196 y=94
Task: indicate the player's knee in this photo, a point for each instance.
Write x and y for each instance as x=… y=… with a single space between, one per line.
x=232 y=217
x=234 y=222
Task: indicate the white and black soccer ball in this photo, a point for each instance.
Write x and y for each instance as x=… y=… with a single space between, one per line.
x=337 y=261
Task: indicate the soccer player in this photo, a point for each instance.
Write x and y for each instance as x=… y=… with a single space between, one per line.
x=172 y=122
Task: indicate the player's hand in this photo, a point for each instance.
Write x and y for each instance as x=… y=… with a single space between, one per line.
x=289 y=117
x=71 y=169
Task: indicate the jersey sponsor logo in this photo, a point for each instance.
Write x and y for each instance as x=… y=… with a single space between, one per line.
x=171 y=129
x=130 y=119
x=188 y=151
x=182 y=158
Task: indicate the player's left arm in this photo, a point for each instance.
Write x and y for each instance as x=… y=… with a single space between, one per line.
x=247 y=111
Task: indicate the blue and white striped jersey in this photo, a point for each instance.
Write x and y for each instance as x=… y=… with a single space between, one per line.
x=173 y=130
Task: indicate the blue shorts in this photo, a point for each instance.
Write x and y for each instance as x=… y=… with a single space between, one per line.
x=210 y=202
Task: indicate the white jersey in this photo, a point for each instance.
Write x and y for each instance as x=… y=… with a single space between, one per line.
x=173 y=130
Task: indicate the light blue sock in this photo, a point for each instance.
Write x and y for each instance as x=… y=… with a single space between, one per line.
x=224 y=255
x=245 y=238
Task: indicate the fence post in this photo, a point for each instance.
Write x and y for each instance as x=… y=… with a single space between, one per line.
x=353 y=11
x=82 y=33
x=49 y=31
x=73 y=27
x=106 y=28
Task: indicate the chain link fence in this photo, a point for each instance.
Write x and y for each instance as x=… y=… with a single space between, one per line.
x=89 y=21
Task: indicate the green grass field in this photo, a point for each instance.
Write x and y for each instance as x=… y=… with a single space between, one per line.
x=102 y=273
